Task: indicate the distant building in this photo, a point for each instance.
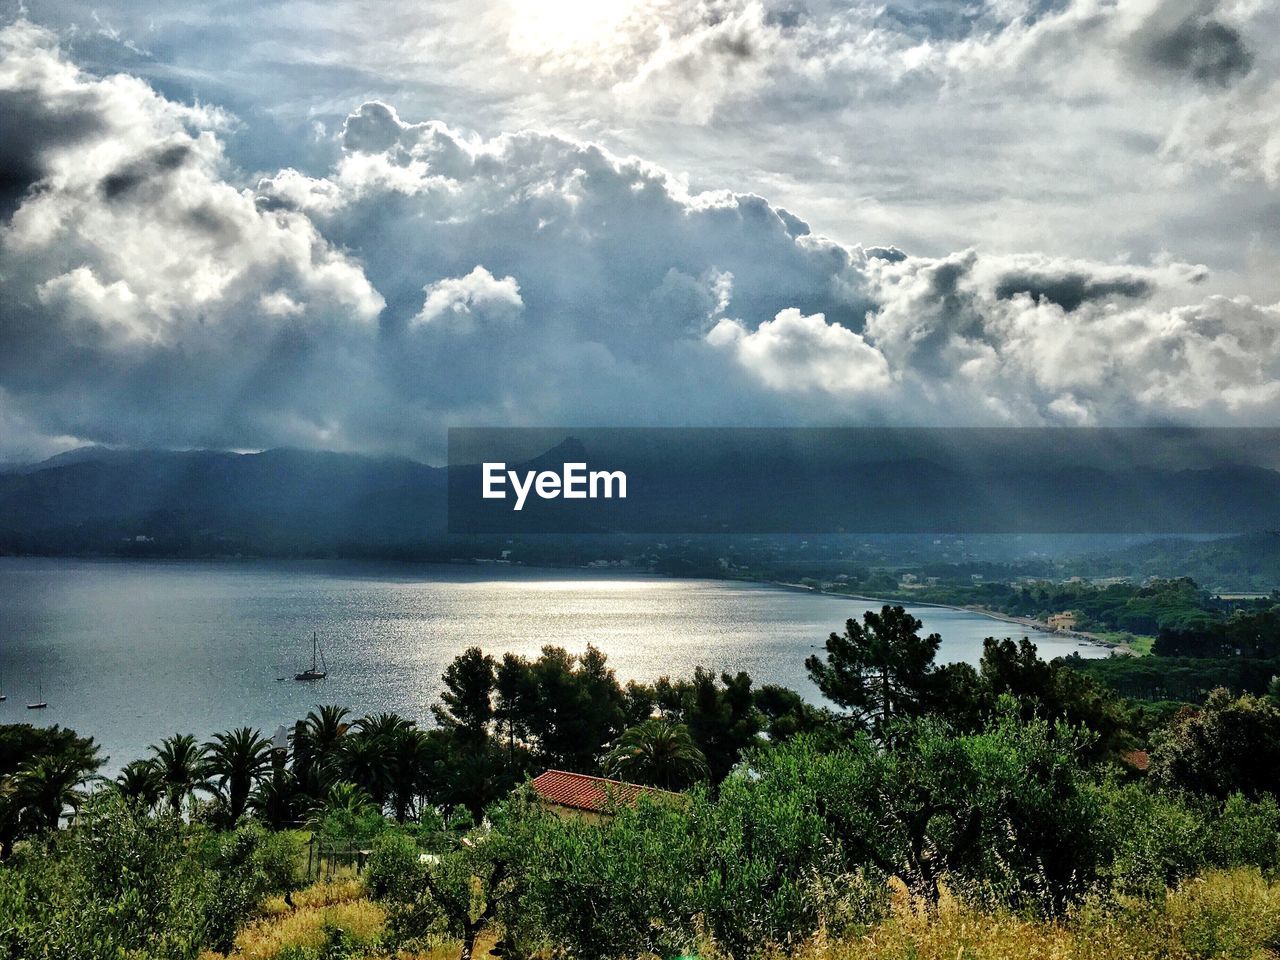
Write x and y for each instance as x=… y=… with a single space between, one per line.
x=1138 y=760
x=593 y=798
x=1062 y=621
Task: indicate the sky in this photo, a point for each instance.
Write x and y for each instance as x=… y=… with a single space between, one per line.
x=349 y=225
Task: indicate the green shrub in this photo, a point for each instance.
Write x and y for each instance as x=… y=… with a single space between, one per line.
x=1245 y=833
x=1152 y=840
x=395 y=872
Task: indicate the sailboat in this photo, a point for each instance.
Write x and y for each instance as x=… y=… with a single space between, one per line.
x=41 y=702
x=314 y=673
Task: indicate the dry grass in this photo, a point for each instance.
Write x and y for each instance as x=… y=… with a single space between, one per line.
x=1222 y=916
x=304 y=926
x=316 y=910
x=326 y=893
x=1231 y=915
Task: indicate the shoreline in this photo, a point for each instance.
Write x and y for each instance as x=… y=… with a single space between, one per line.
x=1027 y=622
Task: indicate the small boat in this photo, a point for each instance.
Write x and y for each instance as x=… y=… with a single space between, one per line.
x=314 y=673
x=41 y=702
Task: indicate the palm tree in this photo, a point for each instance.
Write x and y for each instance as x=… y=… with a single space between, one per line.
x=659 y=753
x=141 y=782
x=385 y=725
x=347 y=798
x=414 y=758
x=183 y=768
x=316 y=739
x=365 y=760
x=45 y=786
x=238 y=759
x=276 y=800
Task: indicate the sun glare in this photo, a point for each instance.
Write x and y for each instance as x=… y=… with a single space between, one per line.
x=579 y=30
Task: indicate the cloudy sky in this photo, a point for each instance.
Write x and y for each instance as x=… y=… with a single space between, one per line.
x=348 y=225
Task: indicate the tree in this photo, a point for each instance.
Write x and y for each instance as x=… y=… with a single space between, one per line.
x=472 y=777
x=47 y=785
x=786 y=714
x=41 y=771
x=477 y=878
x=1002 y=813
x=467 y=699
x=1052 y=690
x=320 y=733
x=238 y=760
x=879 y=669
x=277 y=800
x=1229 y=745
x=141 y=782
x=385 y=725
x=347 y=799
x=415 y=760
x=391 y=759
x=578 y=711
x=723 y=718
x=658 y=753
x=183 y=768
x=517 y=697
x=21 y=742
x=365 y=760
x=315 y=747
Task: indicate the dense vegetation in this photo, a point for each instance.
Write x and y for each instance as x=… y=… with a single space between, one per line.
x=1200 y=641
x=929 y=809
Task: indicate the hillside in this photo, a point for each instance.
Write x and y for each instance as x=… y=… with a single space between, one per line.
x=217 y=502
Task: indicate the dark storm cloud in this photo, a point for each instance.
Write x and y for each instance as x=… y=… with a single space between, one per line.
x=1071 y=290
x=29 y=127
x=1205 y=49
x=891 y=254
x=1199 y=46
x=149 y=168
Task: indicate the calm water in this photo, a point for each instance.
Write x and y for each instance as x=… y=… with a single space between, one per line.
x=132 y=651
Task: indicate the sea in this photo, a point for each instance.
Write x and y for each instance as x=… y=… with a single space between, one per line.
x=132 y=651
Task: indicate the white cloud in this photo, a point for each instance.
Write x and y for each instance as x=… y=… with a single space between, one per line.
x=798 y=353
x=464 y=303
x=429 y=275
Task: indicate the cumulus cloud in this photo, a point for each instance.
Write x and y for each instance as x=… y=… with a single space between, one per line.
x=464 y=303
x=1238 y=132
x=132 y=267
x=432 y=276
x=793 y=353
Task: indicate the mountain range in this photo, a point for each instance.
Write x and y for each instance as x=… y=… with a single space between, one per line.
x=213 y=502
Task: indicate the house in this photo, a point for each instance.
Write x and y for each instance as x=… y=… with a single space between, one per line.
x=1138 y=760
x=1062 y=621
x=593 y=798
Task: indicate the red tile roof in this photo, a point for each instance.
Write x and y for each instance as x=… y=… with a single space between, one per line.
x=1138 y=759
x=592 y=794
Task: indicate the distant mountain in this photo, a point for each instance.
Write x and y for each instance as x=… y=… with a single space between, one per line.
x=210 y=502
x=1249 y=562
x=292 y=502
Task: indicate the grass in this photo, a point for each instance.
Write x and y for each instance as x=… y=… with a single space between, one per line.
x=308 y=925
x=301 y=930
x=1224 y=915
x=1137 y=642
